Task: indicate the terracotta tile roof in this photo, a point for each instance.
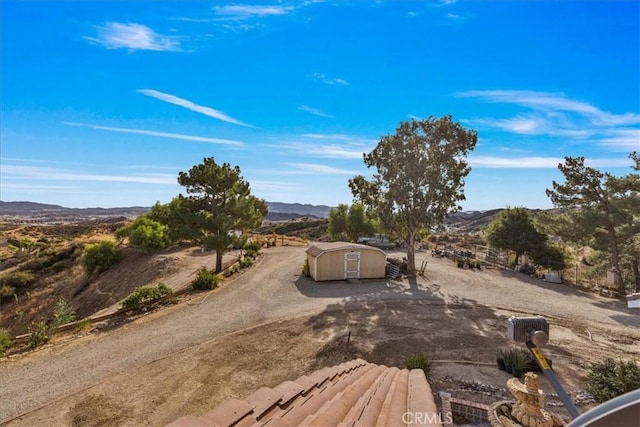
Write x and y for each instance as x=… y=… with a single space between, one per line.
x=354 y=393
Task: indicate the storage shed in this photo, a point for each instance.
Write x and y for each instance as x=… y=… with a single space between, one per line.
x=343 y=260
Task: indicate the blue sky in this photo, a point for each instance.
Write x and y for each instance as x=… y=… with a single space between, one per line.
x=103 y=103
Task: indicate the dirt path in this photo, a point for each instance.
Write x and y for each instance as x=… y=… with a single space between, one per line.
x=180 y=360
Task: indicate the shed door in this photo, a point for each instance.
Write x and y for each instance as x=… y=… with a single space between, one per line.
x=351 y=265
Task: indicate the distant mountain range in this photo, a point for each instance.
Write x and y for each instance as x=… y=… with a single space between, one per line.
x=464 y=222
x=318 y=211
x=42 y=209
x=277 y=210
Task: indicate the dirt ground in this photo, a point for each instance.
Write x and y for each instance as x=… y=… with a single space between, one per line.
x=449 y=316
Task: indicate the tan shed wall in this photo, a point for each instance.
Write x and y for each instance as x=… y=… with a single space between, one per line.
x=372 y=264
x=330 y=265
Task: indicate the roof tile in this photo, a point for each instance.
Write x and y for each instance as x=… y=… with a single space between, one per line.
x=354 y=393
x=228 y=413
x=262 y=400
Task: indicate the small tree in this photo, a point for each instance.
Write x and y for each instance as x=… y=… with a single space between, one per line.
x=551 y=256
x=419 y=177
x=146 y=234
x=220 y=202
x=358 y=224
x=181 y=222
x=100 y=256
x=604 y=208
x=338 y=222
x=350 y=222
x=512 y=229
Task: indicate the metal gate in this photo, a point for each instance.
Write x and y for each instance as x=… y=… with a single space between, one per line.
x=352 y=265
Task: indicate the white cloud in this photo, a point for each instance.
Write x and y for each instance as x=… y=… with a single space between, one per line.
x=117 y=35
x=36 y=187
x=245 y=11
x=332 y=151
x=259 y=185
x=554 y=114
x=330 y=146
x=54 y=174
x=314 y=111
x=350 y=139
x=314 y=168
x=160 y=134
x=455 y=16
x=552 y=102
x=621 y=139
x=445 y=3
x=207 y=111
x=411 y=14
x=328 y=80
x=538 y=162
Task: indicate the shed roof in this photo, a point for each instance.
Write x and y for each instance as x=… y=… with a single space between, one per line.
x=352 y=393
x=319 y=248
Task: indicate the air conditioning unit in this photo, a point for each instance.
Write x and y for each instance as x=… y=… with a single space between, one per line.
x=520 y=328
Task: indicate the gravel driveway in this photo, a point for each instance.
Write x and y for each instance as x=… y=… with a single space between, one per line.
x=269 y=291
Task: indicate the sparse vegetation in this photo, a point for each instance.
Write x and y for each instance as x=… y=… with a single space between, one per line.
x=19 y=279
x=40 y=333
x=146 y=296
x=418 y=361
x=611 y=378
x=205 y=280
x=5 y=341
x=305 y=268
x=250 y=253
x=100 y=256
x=246 y=262
x=62 y=313
x=85 y=324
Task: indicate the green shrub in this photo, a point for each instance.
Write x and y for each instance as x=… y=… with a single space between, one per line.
x=146 y=234
x=520 y=357
x=460 y=262
x=5 y=341
x=246 y=262
x=146 y=296
x=40 y=334
x=85 y=324
x=19 y=279
x=62 y=313
x=252 y=246
x=100 y=256
x=418 y=361
x=305 y=268
x=250 y=253
x=205 y=280
x=612 y=378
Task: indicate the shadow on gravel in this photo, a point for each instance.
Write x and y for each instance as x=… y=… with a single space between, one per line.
x=561 y=288
x=624 y=315
x=385 y=323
